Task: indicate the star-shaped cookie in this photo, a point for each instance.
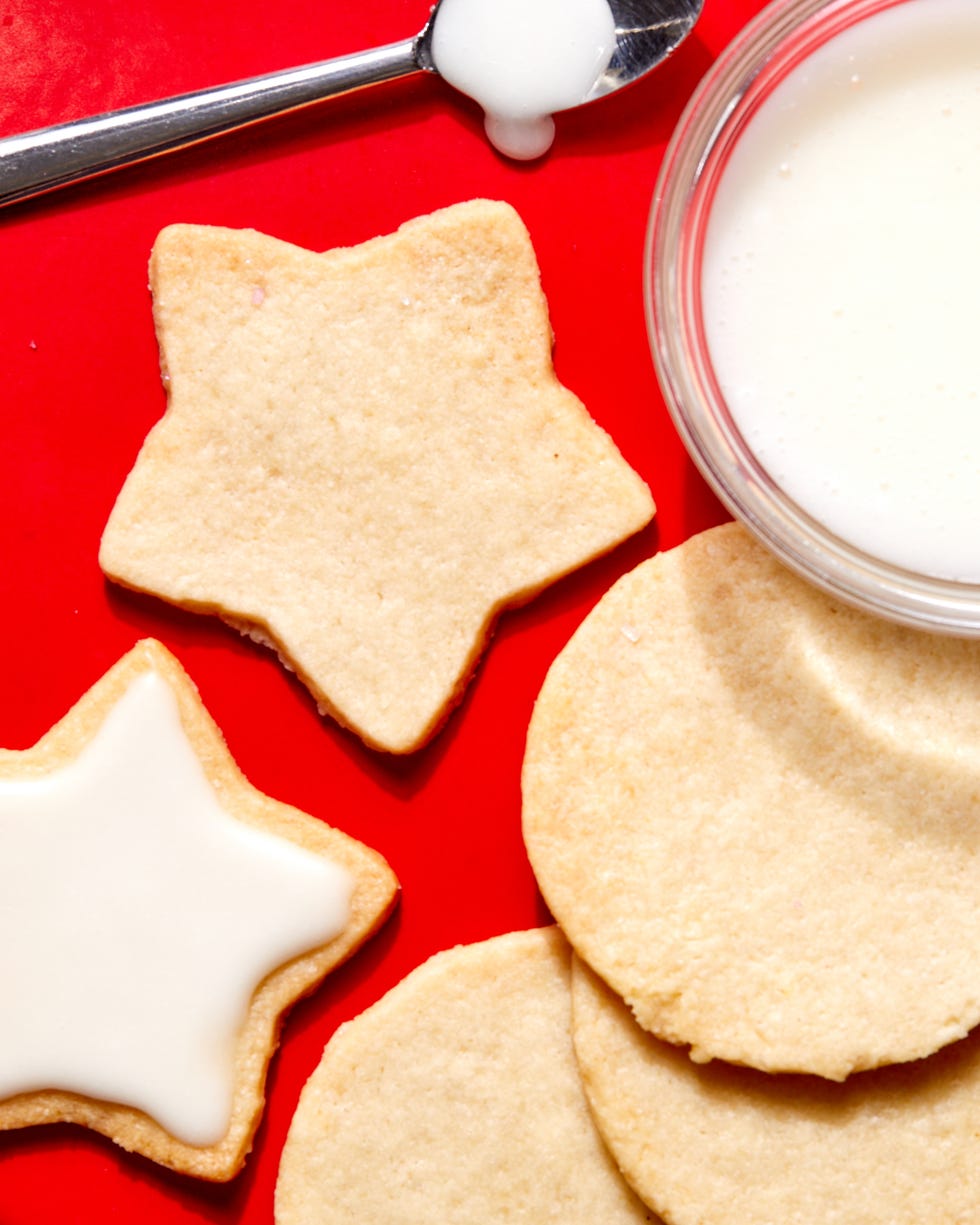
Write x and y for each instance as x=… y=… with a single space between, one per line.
x=366 y=456
x=158 y=915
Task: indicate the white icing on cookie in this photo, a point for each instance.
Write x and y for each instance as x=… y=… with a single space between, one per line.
x=137 y=918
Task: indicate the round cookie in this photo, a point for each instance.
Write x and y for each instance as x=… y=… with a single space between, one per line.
x=456 y=1098
x=717 y=1144
x=756 y=814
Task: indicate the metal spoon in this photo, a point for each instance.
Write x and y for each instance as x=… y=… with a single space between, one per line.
x=36 y=162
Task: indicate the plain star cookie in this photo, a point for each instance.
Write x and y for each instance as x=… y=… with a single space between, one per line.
x=456 y=1099
x=716 y=1144
x=366 y=456
x=756 y=814
x=159 y=917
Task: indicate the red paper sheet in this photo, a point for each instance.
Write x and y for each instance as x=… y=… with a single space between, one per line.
x=80 y=387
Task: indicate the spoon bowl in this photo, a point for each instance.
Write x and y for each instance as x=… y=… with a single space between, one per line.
x=38 y=162
x=647 y=31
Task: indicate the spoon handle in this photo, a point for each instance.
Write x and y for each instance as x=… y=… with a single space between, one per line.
x=40 y=161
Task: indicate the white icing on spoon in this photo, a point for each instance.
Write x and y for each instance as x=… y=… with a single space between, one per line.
x=507 y=56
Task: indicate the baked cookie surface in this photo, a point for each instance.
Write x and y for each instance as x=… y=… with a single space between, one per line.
x=366 y=456
x=456 y=1098
x=715 y=1144
x=159 y=917
x=756 y=814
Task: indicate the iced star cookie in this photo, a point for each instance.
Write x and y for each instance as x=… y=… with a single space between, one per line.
x=756 y=814
x=716 y=1144
x=159 y=917
x=456 y=1098
x=366 y=456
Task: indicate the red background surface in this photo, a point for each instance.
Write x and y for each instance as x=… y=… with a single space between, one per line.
x=79 y=388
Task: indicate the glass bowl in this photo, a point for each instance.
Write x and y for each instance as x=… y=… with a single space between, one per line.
x=775 y=43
